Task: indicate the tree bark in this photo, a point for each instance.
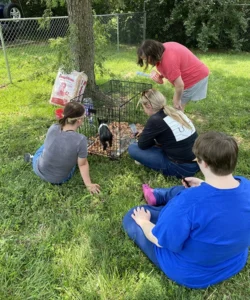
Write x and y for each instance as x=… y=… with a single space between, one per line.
x=83 y=50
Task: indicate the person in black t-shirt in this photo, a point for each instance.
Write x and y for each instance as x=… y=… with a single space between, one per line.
x=166 y=142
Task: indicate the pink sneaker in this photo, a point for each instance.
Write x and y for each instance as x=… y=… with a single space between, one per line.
x=148 y=194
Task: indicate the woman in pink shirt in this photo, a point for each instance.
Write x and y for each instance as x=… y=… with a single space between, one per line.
x=179 y=66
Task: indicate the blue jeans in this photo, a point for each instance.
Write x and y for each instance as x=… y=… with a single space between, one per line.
x=135 y=232
x=35 y=162
x=155 y=158
x=163 y=195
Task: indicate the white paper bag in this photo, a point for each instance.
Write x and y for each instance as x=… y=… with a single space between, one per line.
x=67 y=87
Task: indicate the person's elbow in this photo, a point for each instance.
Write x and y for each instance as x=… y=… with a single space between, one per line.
x=82 y=162
x=179 y=86
x=158 y=245
x=178 y=83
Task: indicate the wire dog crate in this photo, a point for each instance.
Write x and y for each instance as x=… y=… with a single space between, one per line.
x=118 y=110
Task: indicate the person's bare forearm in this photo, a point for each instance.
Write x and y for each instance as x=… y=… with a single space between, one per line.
x=83 y=164
x=193 y=181
x=179 y=89
x=84 y=170
x=147 y=228
x=178 y=93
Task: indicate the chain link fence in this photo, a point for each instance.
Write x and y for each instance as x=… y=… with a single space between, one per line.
x=26 y=43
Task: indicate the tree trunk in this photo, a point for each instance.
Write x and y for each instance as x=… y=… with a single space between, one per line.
x=83 y=51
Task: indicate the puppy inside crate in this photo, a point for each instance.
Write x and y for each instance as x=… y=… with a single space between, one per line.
x=105 y=135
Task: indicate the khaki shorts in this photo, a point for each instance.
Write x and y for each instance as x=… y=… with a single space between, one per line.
x=196 y=92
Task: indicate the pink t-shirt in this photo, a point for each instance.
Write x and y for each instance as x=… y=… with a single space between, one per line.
x=177 y=60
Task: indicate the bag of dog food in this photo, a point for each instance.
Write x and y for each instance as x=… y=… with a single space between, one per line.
x=67 y=87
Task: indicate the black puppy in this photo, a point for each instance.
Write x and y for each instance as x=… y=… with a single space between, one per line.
x=105 y=134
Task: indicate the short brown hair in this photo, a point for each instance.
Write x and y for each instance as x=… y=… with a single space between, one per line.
x=72 y=110
x=218 y=150
x=152 y=50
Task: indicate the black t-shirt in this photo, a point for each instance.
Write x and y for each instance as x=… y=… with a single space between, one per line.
x=175 y=139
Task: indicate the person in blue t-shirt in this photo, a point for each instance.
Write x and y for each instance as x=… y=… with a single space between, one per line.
x=199 y=235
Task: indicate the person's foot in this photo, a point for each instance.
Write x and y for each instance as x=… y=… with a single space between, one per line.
x=148 y=194
x=28 y=157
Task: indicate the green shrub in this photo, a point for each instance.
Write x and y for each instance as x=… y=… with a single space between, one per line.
x=205 y=24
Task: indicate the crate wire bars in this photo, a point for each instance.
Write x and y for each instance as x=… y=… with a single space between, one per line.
x=119 y=112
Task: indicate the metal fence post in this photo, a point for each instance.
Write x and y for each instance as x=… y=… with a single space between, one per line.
x=118 y=37
x=144 y=20
x=5 y=54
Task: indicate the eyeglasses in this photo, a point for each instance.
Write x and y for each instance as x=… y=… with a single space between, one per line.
x=143 y=94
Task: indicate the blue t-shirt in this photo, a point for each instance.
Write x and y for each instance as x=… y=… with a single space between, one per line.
x=204 y=233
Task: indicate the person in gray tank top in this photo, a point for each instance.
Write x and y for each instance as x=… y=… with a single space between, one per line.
x=63 y=148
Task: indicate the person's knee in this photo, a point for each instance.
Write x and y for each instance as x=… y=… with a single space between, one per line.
x=132 y=149
x=129 y=225
x=135 y=152
x=127 y=219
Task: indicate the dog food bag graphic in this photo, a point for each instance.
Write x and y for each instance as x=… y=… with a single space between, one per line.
x=68 y=86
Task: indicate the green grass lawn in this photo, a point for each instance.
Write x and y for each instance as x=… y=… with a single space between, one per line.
x=63 y=243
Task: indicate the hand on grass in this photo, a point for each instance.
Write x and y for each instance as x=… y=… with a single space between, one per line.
x=141 y=215
x=93 y=188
